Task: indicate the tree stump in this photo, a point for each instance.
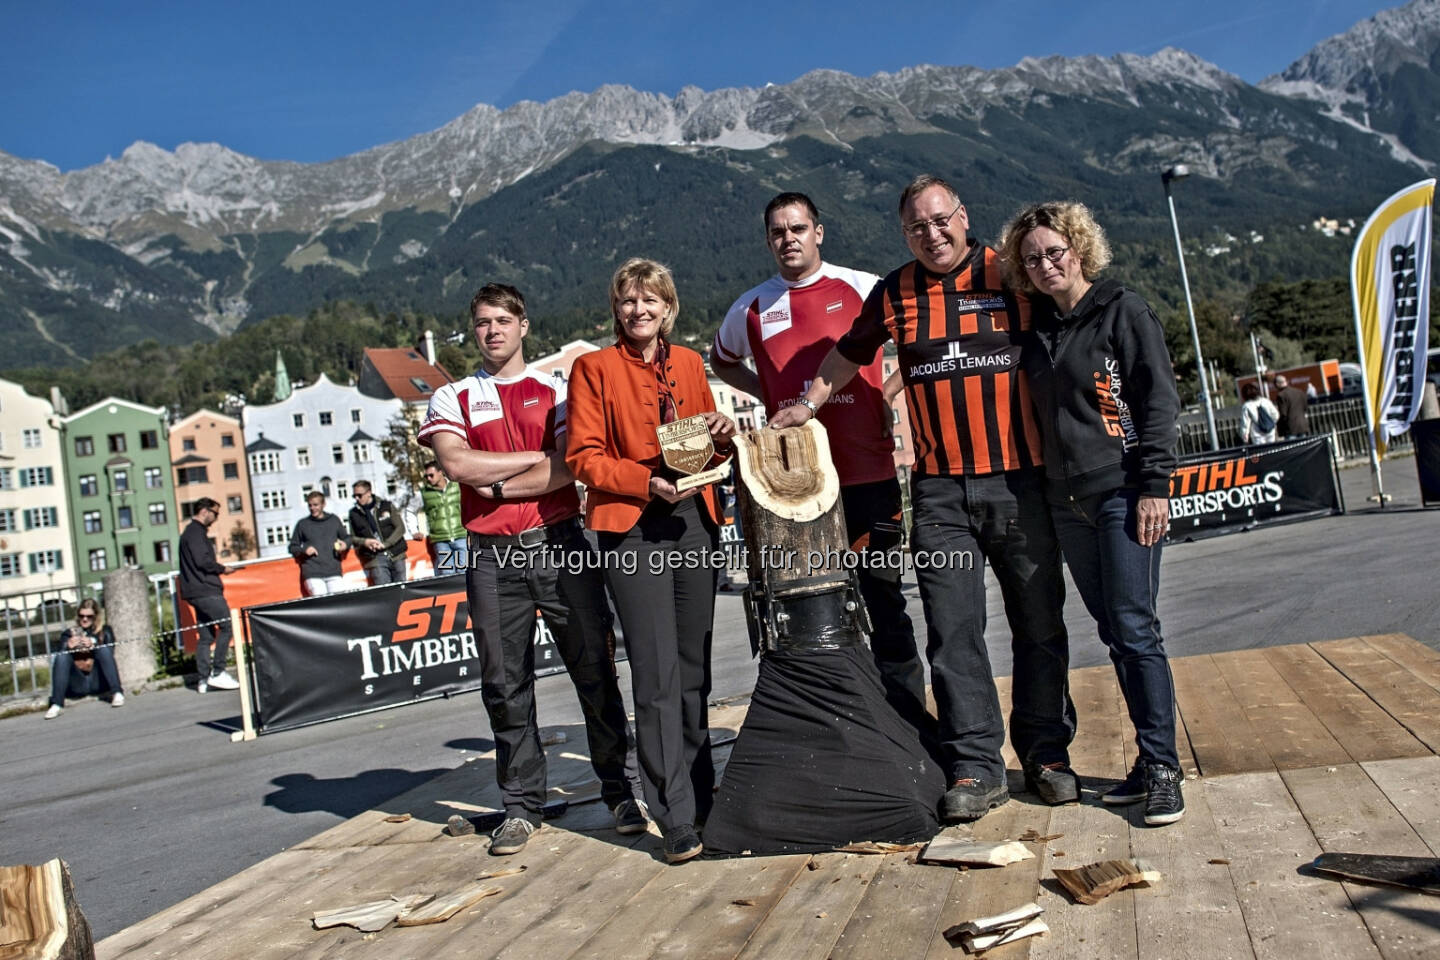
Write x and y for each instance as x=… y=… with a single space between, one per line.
x=127 y=611
x=39 y=918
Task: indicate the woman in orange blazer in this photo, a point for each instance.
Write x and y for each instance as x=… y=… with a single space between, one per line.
x=659 y=544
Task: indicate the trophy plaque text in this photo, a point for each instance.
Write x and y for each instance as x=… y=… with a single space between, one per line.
x=687 y=449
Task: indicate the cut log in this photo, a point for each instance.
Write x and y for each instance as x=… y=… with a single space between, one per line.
x=952 y=850
x=1095 y=881
x=788 y=501
x=39 y=918
x=446 y=905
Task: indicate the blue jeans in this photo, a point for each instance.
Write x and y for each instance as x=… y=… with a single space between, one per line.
x=68 y=680
x=1119 y=581
x=386 y=569
x=450 y=556
x=1004 y=518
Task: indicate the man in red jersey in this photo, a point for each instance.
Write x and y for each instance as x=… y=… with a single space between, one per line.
x=788 y=324
x=978 y=487
x=500 y=434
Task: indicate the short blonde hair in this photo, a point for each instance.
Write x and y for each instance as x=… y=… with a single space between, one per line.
x=1071 y=220
x=648 y=275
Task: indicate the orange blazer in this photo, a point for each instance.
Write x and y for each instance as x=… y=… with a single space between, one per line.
x=612 y=410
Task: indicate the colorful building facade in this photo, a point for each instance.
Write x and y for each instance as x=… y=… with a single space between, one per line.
x=207 y=453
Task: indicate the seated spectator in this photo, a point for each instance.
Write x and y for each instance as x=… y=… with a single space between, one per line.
x=318 y=542
x=84 y=648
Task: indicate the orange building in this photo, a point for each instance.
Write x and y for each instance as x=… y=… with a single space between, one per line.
x=207 y=455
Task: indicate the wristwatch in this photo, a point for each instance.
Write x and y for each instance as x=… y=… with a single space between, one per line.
x=497 y=489
x=810 y=405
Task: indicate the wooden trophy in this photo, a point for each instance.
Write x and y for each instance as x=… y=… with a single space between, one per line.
x=686 y=449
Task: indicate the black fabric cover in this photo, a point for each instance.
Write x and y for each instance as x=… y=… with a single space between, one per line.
x=821 y=761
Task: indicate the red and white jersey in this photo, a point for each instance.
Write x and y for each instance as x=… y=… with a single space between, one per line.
x=504 y=414
x=789 y=328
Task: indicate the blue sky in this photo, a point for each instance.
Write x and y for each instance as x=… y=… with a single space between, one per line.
x=310 y=81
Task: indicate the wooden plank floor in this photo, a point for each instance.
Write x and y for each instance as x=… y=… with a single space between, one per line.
x=1291 y=751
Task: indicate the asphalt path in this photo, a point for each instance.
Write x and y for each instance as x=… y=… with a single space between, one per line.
x=151 y=803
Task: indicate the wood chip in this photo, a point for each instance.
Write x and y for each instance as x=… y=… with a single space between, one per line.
x=507 y=872
x=986 y=941
x=986 y=932
x=370 y=916
x=743 y=902
x=1220 y=860
x=867 y=846
x=445 y=906
x=947 y=850
x=1008 y=920
x=1030 y=836
x=397 y=818
x=1095 y=881
x=458 y=826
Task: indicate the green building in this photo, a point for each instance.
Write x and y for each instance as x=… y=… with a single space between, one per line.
x=117 y=470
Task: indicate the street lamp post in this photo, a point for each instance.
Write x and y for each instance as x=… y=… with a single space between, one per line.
x=1180 y=172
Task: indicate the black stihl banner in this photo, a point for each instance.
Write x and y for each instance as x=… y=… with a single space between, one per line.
x=1214 y=493
x=334 y=656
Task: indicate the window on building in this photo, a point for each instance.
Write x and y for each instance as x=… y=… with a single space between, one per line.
x=117 y=442
x=187 y=444
x=273 y=500
x=227 y=439
x=31 y=438
x=154 y=478
x=97 y=559
x=302 y=456
x=162 y=551
x=277 y=535
x=89 y=486
x=92 y=521
x=150 y=440
x=157 y=515
x=188 y=475
x=299 y=421
x=327 y=418
x=37 y=477
x=7 y=478
x=355 y=415
x=266 y=461
x=120 y=479
x=38 y=518
x=7 y=520
x=84 y=446
x=128 y=555
x=337 y=452
x=360 y=451
x=9 y=565
x=231 y=470
x=342 y=490
x=125 y=518
x=235 y=504
x=46 y=561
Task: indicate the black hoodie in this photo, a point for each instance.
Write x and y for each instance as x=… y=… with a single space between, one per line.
x=1104 y=390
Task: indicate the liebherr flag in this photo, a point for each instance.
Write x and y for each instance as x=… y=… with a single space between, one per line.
x=1390 y=282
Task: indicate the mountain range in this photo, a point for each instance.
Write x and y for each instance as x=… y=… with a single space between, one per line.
x=192 y=244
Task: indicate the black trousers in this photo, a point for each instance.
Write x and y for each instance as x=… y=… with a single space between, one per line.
x=661 y=577
x=893 y=642
x=504 y=587
x=208 y=609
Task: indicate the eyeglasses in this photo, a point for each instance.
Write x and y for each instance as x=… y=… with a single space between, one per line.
x=919 y=228
x=85 y=616
x=1054 y=255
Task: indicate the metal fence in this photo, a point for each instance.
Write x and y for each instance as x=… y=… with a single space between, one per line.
x=1344 y=420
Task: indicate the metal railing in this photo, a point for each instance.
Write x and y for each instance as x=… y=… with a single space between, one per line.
x=1344 y=420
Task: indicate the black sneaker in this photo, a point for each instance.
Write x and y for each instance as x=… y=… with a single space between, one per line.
x=630 y=817
x=1054 y=783
x=970 y=799
x=1164 y=803
x=1131 y=790
x=511 y=836
x=682 y=843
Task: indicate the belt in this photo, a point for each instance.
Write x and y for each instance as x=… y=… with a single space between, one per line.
x=557 y=532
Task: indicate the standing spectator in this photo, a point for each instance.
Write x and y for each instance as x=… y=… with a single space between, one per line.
x=449 y=550
x=377 y=531
x=200 y=585
x=1292 y=403
x=85 y=646
x=1259 y=420
x=319 y=541
x=619 y=396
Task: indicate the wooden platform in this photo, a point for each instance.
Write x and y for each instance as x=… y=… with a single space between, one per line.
x=1297 y=750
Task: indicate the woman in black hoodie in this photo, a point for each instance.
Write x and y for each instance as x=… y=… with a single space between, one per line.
x=1104 y=392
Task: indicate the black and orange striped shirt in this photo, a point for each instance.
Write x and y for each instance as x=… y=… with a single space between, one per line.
x=958 y=337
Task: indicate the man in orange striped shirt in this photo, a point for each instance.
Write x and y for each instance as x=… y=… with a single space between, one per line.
x=978 y=486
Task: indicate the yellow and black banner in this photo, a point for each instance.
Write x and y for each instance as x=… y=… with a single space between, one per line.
x=1228 y=490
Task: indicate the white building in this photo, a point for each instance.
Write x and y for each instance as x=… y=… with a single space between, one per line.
x=322 y=437
x=35 y=549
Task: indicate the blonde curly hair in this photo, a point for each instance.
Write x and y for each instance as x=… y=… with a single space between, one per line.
x=1071 y=220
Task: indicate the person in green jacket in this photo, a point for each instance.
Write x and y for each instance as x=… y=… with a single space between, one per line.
x=448 y=540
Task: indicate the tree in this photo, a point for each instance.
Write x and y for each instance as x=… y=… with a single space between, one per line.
x=404 y=453
x=241 y=541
